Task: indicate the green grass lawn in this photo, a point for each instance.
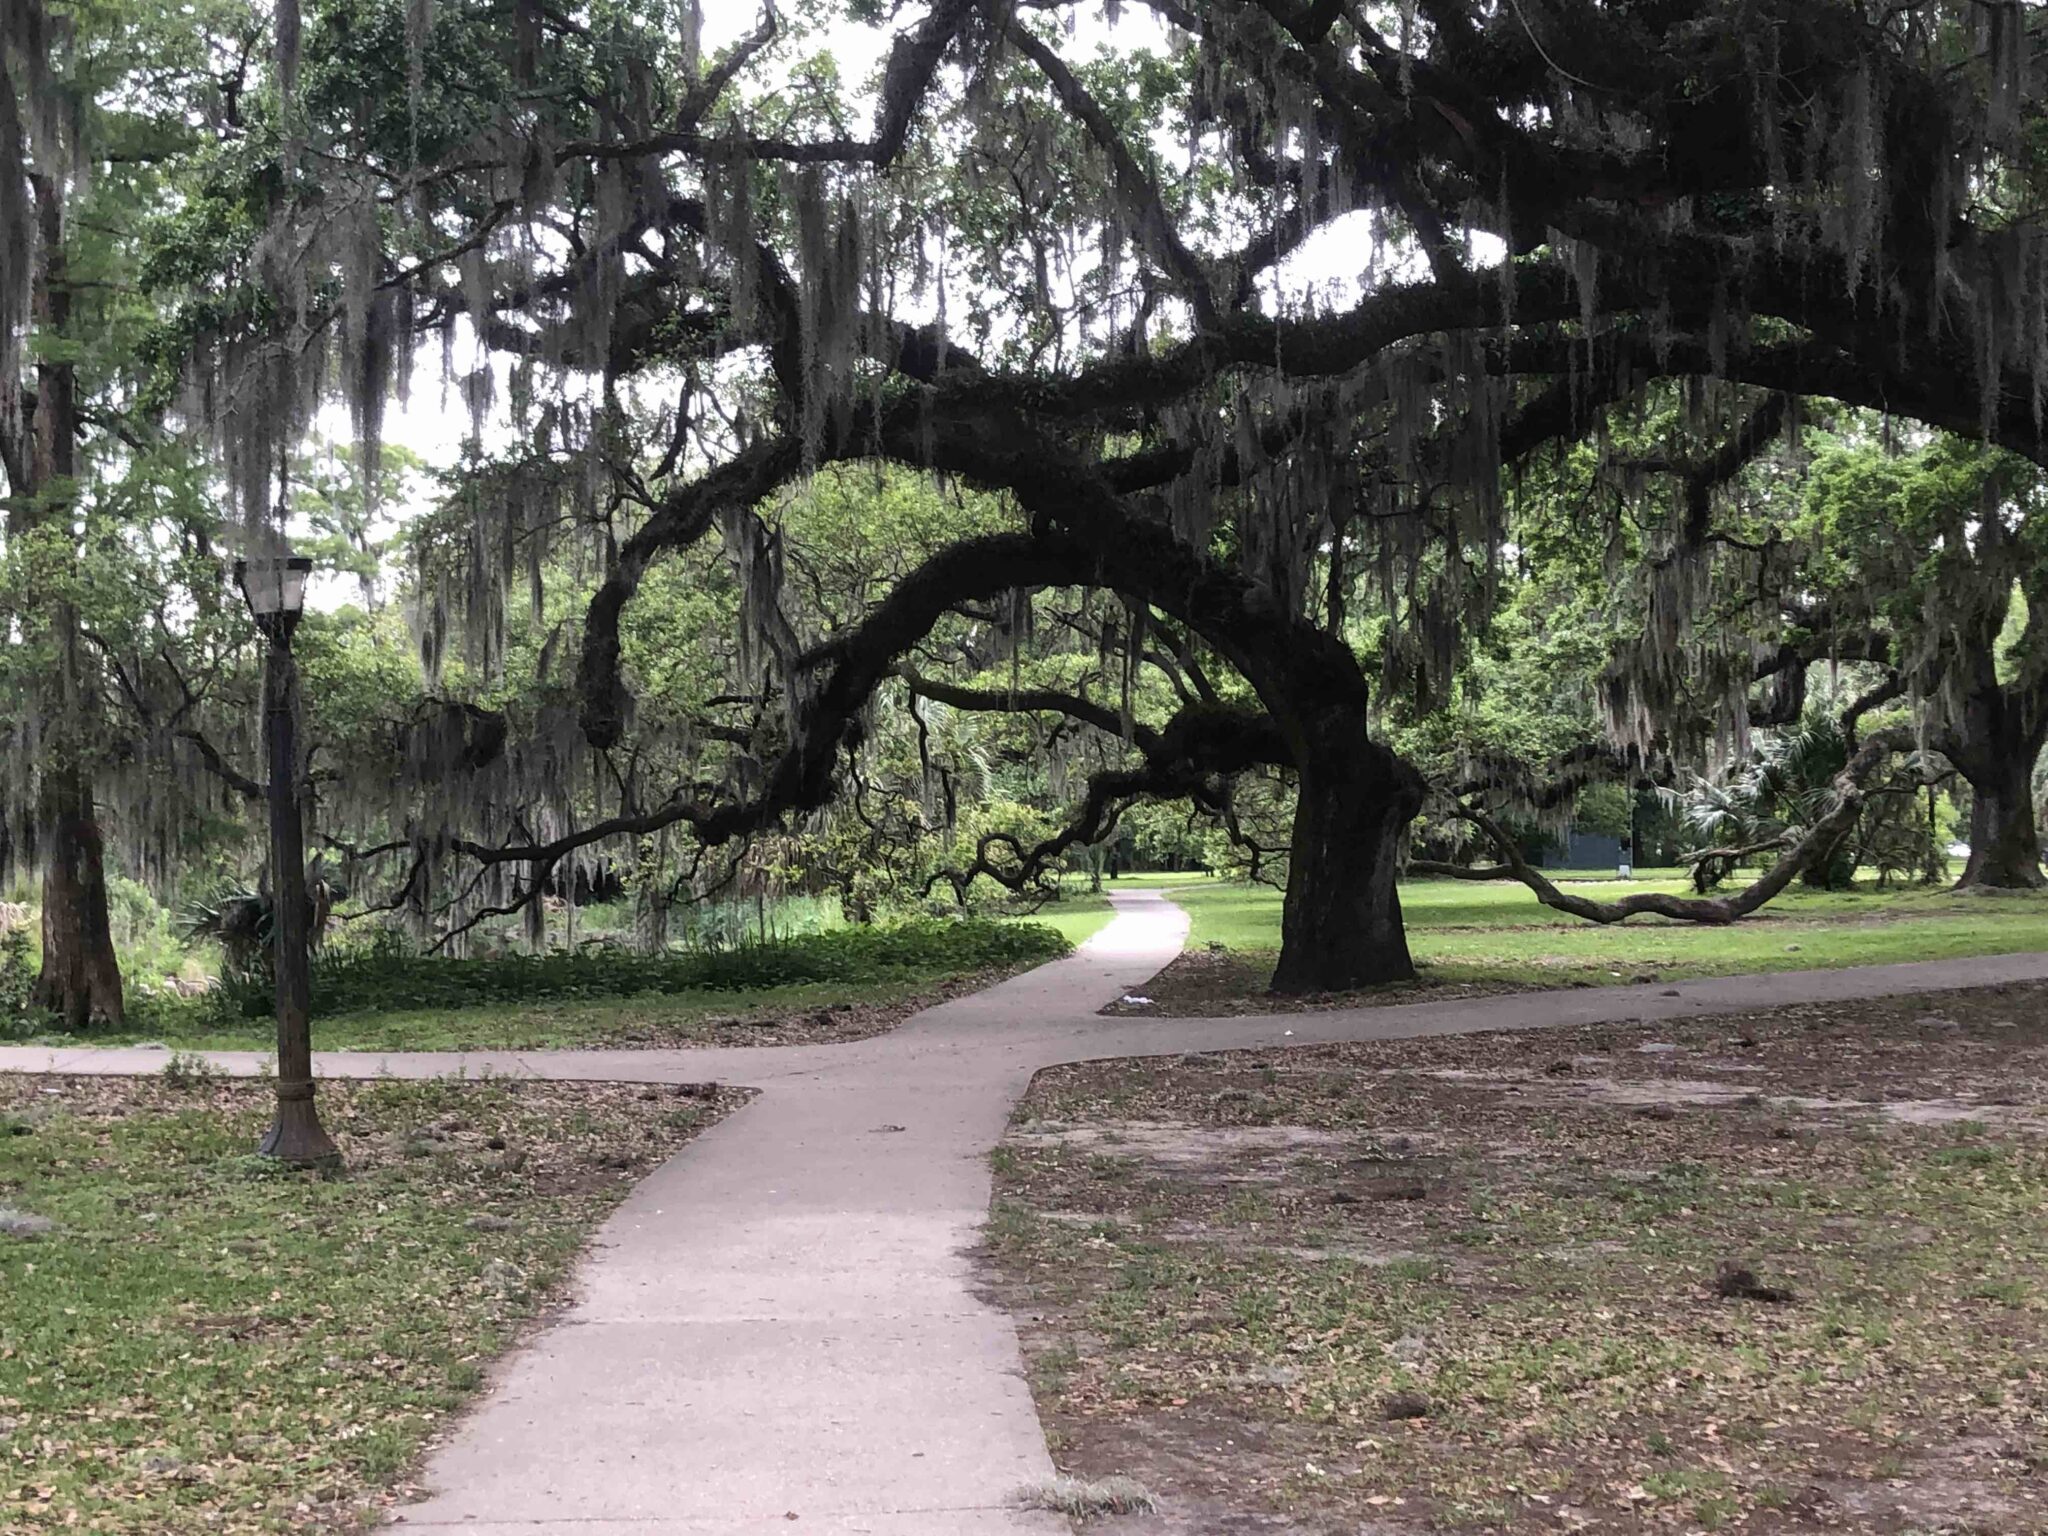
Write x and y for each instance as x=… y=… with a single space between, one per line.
x=1077 y=915
x=1467 y=931
x=201 y=1340
x=763 y=1016
x=807 y=990
x=1162 y=880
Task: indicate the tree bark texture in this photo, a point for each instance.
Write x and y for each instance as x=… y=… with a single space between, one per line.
x=1341 y=926
x=1994 y=742
x=2005 y=842
x=80 y=980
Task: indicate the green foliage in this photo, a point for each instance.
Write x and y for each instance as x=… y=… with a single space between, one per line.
x=238 y=919
x=741 y=922
x=385 y=976
x=1946 y=546
x=144 y=935
x=19 y=1017
x=1781 y=790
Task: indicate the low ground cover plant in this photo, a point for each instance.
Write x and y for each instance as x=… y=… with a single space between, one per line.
x=387 y=975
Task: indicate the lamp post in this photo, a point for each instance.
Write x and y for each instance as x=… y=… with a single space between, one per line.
x=275 y=590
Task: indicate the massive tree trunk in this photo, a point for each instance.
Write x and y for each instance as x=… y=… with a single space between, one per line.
x=81 y=979
x=2005 y=843
x=1994 y=741
x=1341 y=926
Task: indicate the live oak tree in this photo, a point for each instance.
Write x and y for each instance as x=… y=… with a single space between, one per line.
x=113 y=118
x=1932 y=550
x=70 y=162
x=53 y=824
x=1903 y=565
x=677 y=284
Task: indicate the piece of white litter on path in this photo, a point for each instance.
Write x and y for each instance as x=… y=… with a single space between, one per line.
x=1132 y=1000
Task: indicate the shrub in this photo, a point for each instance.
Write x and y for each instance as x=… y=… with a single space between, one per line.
x=19 y=1017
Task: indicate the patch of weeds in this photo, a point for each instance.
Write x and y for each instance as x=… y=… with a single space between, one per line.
x=186 y=1071
x=254 y=1167
x=1248 y=1207
x=1964 y=1157
x=1685 y=1482
x=1416 y=1268
x=2007 y=1293
x=1051 y=1367
x=1105 y=1168
x=1088 y=1499
x=1011 y=1224
x=1717 y=1511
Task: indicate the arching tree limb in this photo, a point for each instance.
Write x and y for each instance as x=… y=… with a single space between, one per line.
x=1850 y=791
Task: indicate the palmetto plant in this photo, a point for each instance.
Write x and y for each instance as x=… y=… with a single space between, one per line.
x=1768 y=801
x=239 y=918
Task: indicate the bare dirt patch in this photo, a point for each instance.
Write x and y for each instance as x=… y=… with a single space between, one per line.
x=1781 y=1271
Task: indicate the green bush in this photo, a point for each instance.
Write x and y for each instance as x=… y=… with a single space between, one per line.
x=145 y=938
x=384 y=977
x=19 y=1017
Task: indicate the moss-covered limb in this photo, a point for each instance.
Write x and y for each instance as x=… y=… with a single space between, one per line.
x=913 y=61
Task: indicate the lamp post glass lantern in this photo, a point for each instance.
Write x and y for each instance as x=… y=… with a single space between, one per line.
x=275 y=590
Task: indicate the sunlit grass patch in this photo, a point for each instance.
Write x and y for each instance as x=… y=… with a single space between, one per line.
x=1497 y=936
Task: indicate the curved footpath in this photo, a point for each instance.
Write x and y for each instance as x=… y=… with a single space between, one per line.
x=781 y=1324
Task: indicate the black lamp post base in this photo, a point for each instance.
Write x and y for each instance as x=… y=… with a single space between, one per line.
x=297 y=1137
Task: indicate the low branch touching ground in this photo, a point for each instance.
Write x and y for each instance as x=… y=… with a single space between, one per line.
x=1818 y=842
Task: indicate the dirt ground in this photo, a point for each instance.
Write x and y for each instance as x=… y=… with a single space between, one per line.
x=1783 y=1271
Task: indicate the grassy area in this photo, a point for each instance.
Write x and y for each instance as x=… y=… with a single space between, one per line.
x=1077 y=916
x=1162 y=880
x=202 y=1341
x=1498 y=934
x=1779 y=1271
x=812 y=1014
x=768 y=994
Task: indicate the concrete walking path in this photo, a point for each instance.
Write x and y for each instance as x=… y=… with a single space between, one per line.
x=779 y=1330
